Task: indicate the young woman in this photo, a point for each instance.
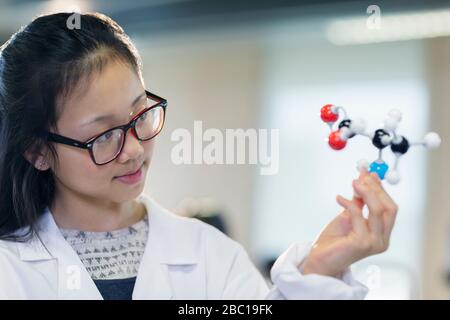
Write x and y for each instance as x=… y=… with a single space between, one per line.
x=77 y=129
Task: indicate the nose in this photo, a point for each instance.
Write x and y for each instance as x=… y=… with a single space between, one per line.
x=132 y=148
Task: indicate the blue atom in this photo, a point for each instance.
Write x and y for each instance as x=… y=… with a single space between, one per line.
x=379 y=167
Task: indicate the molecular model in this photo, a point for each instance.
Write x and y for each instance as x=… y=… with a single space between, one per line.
x=381 y=138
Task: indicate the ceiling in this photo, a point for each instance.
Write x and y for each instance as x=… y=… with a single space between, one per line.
x=167 y=15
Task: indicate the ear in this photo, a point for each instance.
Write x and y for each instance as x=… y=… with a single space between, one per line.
x=38 y=160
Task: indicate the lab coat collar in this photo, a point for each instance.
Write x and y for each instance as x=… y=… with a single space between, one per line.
x=163 y=248
x=165 y=229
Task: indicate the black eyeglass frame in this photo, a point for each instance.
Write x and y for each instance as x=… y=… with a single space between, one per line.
x=160 y=102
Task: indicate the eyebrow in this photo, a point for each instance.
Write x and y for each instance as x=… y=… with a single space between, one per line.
x=105 y=117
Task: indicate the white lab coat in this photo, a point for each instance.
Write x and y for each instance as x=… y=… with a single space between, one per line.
x=184 y=259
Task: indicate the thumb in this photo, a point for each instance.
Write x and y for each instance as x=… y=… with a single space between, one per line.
x=355 y=210
x=358 y=201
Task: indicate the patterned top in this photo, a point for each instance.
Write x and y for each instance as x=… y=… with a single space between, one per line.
x=110 y=255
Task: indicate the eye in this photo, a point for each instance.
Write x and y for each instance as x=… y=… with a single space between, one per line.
x=105 y=137
x=143 y=116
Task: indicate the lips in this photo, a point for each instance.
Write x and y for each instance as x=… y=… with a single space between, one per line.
x=132 y=177
x=129 y=173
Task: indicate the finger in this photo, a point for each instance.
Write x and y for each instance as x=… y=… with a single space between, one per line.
x=376 y=178
x=363 y=173
x=358 y=221
x=375 y=206
x=357 y=199
x=390 y=207
x=346 y=203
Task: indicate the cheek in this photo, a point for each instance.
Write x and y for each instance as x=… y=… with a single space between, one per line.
x=76 y=169
x=148 y=149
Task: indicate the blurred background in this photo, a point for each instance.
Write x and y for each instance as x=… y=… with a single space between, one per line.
x=273 y=65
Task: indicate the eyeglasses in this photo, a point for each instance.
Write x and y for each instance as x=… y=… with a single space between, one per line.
x=106 y=146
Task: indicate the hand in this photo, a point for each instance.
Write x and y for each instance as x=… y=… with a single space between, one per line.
x=350 y=237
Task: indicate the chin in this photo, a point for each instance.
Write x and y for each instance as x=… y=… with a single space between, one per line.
x=126 y=194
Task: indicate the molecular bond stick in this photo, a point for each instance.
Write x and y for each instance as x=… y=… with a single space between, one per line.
x=381 y=138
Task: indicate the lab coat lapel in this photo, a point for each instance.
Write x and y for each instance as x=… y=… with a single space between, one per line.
x=169 y=268
x=72 y=279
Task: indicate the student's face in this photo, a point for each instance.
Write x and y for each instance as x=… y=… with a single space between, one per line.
x=112 y=92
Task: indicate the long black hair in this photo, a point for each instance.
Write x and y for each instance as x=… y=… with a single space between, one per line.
x=39 y=67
